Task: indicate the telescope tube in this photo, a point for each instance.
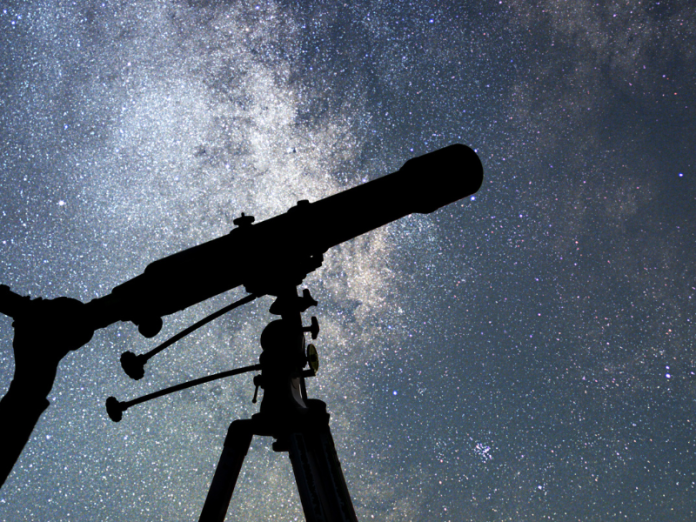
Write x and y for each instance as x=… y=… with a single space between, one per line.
x=282 y=250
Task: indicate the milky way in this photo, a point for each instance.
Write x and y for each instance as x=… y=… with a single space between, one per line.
x=524 y=354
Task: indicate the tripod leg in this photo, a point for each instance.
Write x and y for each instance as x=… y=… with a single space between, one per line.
x=335 y=479
x=235 y=449
x=320 y=481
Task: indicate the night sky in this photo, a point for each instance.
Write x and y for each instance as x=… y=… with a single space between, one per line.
x=524 y=354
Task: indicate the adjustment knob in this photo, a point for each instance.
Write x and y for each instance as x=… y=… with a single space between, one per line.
x=313 y=358
x=306 y=300
x=150 y=326
x=133 y=365
x=243 y=220
x=114 y=409
x=313 y=329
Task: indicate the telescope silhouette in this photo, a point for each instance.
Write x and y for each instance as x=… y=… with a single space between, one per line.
x=269 y=258
x=284 y=249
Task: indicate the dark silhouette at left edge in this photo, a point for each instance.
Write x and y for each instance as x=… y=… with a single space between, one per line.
x=44 y=332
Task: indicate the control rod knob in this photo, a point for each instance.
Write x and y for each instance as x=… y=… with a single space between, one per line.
x=313 y=329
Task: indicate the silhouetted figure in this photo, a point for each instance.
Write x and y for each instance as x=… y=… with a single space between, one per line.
x=45 y=331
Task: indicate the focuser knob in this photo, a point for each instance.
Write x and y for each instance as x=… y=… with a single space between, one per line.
x=313 y=329
x=306 y=300
x=243 y=220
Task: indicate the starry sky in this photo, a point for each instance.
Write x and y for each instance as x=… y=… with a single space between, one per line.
x=525 y=354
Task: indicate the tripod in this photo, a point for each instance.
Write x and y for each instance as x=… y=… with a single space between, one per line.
x=299 y=425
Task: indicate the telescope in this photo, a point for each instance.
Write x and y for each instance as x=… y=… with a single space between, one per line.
x=268 y=258
x=284 y=249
